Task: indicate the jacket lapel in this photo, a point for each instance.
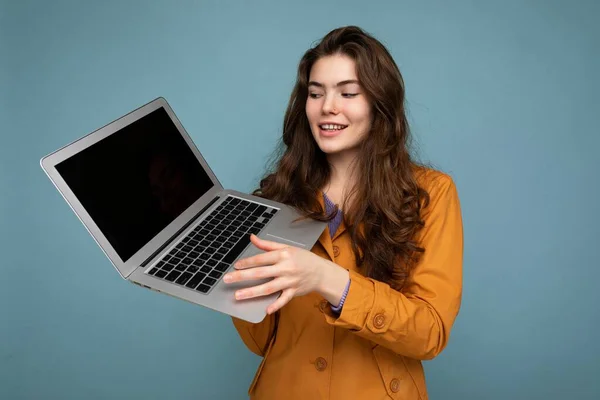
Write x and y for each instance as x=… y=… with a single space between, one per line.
x=325 y=238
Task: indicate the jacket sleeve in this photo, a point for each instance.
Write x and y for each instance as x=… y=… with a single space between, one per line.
x=416 y=322
x=257 y=336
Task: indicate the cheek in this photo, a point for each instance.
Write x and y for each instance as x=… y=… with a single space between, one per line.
x=358 y=113
x=312 y=111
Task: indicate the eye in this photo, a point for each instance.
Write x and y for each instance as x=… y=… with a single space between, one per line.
x=349 y=95
x=314 y=95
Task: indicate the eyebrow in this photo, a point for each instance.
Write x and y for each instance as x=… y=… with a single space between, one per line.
x=342 y=83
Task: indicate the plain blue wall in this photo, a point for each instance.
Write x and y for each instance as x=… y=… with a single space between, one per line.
x=503 y=95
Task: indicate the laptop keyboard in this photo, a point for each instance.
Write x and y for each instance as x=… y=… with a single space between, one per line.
x=201 y=258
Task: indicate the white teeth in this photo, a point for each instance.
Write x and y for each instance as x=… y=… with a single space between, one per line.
x=332 y=127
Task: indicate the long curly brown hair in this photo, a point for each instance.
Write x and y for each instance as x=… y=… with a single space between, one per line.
x=386 y=216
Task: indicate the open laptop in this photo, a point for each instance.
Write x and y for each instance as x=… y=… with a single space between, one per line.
x=148 y=197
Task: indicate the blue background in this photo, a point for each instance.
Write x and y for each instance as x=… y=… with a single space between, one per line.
x=503 y=95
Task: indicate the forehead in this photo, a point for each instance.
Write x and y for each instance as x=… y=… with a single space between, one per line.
x=330 y=70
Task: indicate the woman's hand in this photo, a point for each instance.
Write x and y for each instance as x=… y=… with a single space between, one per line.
x=295 y=272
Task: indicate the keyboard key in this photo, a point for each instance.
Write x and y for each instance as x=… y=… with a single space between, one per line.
x=183 y=278
x=215 y=274
x=221 y=267
x=193 y=269
x=172 y=275
x=258 y=212
x=237 y=249
x=192 y=283
x=206 y=269
x=209 y=281
x=198 y=262
x=180 y=267
x=160 y=274
x=153 y=271
x=168 y=266
x=203 y=288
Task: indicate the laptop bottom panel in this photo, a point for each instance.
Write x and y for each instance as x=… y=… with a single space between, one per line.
x=192 y=268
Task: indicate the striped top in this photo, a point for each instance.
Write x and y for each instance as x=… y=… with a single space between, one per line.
x=334 y=224
x=337 y=220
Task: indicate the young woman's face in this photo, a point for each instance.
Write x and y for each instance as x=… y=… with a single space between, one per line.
x=337 y=109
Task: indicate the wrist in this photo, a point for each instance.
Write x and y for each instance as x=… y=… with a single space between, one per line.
x=333 y=282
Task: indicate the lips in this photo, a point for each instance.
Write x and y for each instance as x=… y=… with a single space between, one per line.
x=332 y=126
x=328 y=132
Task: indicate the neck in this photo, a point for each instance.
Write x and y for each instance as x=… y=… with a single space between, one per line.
x=342 y=176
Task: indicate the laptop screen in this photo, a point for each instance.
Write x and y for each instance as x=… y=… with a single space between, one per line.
x=136 y=181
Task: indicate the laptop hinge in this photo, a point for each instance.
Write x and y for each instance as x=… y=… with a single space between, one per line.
x=183 y=228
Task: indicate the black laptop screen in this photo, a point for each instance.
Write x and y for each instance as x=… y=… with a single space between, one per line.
x=136 y=181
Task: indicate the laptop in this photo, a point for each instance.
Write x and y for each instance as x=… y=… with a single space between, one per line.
x=152 y=203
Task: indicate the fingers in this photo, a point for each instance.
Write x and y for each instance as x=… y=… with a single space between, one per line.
x=272 y=255
x=261 y=290
x=266 y=245
x=269 y=271
x=285 y=298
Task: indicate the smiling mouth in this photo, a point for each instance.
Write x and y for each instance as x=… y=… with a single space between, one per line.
x=332 y=127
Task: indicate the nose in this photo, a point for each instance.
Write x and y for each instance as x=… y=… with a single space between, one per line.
x=329 y=105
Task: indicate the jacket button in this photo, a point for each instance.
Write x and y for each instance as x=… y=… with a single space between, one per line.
x=395 y=385
x=320 y=364
x=379 y=321
x=336 y=251
x=323 y=305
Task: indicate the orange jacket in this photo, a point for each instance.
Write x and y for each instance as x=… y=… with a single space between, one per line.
x=373 y=349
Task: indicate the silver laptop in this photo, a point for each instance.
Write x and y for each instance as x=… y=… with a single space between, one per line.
x=148 y=197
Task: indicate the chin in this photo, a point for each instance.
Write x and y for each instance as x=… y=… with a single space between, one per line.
x=331 y=150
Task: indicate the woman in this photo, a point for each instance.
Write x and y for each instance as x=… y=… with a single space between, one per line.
x=381 y=289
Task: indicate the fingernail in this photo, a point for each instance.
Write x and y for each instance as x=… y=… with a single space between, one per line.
x=239 y=295
x=227 y=278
